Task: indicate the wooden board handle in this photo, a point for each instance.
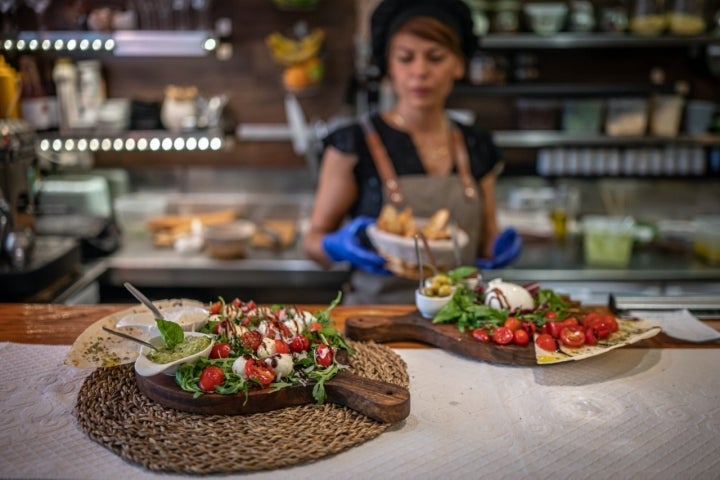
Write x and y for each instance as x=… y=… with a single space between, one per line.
x=381 y=401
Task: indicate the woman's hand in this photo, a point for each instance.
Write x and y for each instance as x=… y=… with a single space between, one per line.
x=506 y=248
x=346 y=245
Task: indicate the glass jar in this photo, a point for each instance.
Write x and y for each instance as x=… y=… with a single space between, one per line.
x=648 y=17
x=506 y=18
x=686 y=17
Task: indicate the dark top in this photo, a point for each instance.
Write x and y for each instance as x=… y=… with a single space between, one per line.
x=482 y=152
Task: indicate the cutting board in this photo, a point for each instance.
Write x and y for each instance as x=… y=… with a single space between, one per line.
x=413 y=327
x=381 y=401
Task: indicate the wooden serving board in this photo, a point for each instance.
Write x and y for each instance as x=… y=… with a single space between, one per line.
x=414 y=327
x=381 y=401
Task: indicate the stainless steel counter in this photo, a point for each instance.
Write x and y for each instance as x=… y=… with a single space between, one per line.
x=288 y=276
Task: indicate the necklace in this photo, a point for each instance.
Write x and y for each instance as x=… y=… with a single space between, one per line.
x=434 y=150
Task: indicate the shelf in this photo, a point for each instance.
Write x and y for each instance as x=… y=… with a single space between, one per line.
x=122 y=43
x=133 y=141
x=540 y=139
x=592 y=40
x=560 y=90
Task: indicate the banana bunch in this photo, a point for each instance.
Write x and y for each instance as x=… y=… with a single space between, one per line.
x=288 y=51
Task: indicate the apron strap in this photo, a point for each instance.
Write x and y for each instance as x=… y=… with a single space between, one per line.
x=387 y=173
x=382 y=161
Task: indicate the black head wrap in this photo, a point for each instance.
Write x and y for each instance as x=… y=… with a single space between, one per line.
x=391 y=14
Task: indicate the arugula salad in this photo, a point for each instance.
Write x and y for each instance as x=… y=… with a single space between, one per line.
x=265 y=347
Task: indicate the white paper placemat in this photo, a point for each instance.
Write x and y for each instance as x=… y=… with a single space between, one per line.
x=680 y=324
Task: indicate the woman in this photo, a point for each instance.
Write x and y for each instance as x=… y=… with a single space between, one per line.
x=411 y=155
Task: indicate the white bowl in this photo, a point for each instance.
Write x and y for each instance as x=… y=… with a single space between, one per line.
x=430 y=306
x=147 y=368
x=397 y=247
x=546 y=18
x=190 y=318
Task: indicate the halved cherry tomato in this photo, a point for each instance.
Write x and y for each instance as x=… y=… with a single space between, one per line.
x=323 y=355
x=546 y=342
x=237 y=303
x=251 y=339
x=299 y=343
x=210 y=378
x=572 y=336
x=551 y=315
x=569 y=322
x=315 y=327
x=259 y=371
x=281 y=346
x=521 y=337
x=502 y=336
x=220 y=350
x=216 y=307
x=481 y=335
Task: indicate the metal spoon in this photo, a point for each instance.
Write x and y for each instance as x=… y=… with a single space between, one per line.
x=144 y=300
x=129 y=337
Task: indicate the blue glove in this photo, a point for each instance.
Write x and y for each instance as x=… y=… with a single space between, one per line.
x=506 y=248
x=346 y=245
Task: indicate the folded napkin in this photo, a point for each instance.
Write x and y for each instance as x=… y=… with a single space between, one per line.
x=680 y=324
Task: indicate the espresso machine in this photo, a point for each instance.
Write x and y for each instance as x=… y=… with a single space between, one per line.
x=29 y=263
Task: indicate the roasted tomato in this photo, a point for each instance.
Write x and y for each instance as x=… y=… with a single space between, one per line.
x=251 y=339
x=502 y=336
x=259 y=371
x=210 y=378
x=572 y=336
x=220 y=350
x=299 y=343
x=324 y=355
x=481 y=335
x=546 y=342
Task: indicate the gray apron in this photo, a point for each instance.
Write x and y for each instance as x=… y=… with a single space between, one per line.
x=425 y=194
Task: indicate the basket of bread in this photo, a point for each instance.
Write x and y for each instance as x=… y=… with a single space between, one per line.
x=393 y=236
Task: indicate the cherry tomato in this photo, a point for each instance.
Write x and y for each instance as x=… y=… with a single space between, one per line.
x=259 y=371
x=590 y=338
x=512 y=323
x=546 y=342
x=572 y=336
x=251 y=339
x=570 y=322
x=315 y=327
x=210 y=378
x=323 y=355
x=251 y=305
x=529 y=327
x=553 y=328
x=237 y=303
x=299 y=343
x=502 y=336
x=215 y=308
x=220 y=350
x=521 y=337
x=481 y=335
x=281 y=346
x=551 y=315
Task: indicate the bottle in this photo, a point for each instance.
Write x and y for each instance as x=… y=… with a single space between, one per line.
x=65 y=77
x=91 y=90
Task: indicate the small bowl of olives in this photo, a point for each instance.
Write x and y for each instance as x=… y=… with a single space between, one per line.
x=434 y=295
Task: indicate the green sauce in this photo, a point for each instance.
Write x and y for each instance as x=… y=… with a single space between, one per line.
x=189 y=346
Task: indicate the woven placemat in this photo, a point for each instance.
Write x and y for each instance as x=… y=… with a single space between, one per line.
x=114 y=413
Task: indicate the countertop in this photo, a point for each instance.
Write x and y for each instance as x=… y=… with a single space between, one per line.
x=644 y=411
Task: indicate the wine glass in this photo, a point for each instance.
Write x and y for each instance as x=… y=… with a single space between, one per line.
x=39 y=6
x=7 y=8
